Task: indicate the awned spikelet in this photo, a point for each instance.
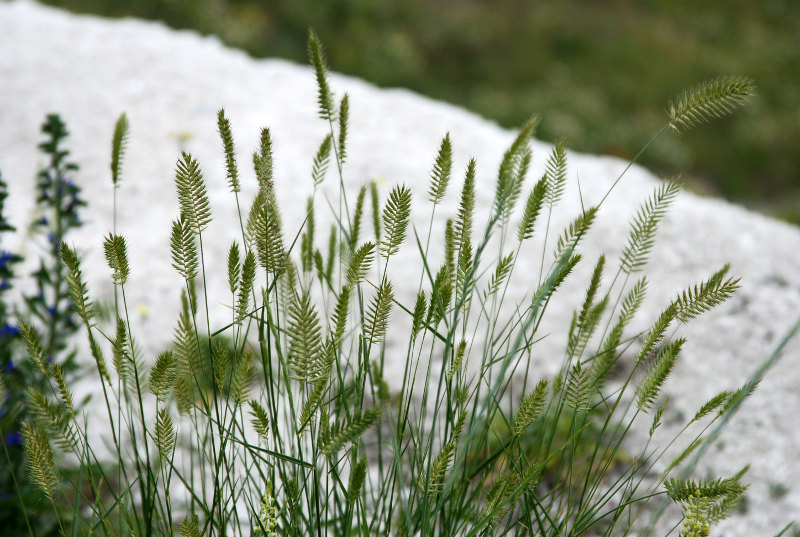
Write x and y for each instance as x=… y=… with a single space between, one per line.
x=192 y=194
x=304 y=336
x=321 y=161
x=712 y=99
x=395 y=218
x=654 y=379
x=440 y=175
x=344 y=123
x=118 y=145
x=316 y=55
x=336 y=439
x=184 y=249
x=76 y=287
x=39 y=460
x=644 y=225
x=377 y=320
x=360 y=263
x=704 y=297
x=117 y=257
x=225 y=134
x=530 y=408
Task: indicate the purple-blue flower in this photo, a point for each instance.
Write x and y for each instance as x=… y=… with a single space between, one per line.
x=10 y=330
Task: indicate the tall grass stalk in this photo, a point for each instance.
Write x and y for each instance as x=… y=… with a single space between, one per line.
x=284 y=423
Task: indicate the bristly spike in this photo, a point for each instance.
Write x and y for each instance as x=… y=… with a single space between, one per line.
x=224 y=127
x=321 y=161
x=118 y=146
x=515 y=159
x=234 y=267
x=307 y=240
x=532 y=208
x=575 y=231
x=377 y=319
x=466 y=208
x=192 y=194
x=641 y=237
x=360 y=262
x=714 y=291
x=530 y=408
x=76 y=287
x=556 y=174
x=440 y=175
x=344 y=120
x=316 y=55
x=358 y=215
x=184 y=249
x=651 y=384
x=246 y=286
x=117 y=258
x=713 y=99
x=395 y=218
x=262 y=161
x=376 y=217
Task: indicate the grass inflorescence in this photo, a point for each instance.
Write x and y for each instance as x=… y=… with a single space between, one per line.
x=284 y=423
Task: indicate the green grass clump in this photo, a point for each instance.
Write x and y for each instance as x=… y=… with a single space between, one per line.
x=283 y=422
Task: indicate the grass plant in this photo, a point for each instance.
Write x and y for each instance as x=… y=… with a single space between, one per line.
x=283 y=422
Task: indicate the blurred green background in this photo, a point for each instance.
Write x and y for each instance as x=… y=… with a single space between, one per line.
x=599 y=72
